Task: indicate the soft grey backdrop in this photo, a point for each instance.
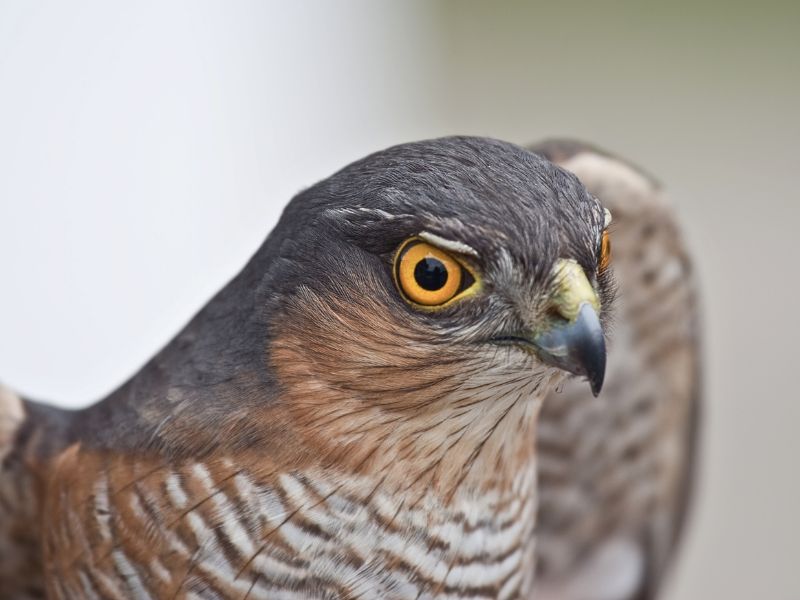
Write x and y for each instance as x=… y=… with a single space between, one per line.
x=147 y=148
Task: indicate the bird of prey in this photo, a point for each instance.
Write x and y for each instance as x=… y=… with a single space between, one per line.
x=381 y=403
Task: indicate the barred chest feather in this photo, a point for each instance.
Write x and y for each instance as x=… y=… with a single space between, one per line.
x=212 y=530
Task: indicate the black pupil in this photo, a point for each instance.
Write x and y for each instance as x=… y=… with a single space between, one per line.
x=430 y=274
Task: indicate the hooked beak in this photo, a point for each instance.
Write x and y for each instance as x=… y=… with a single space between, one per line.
x=574 y=340
x=578 y=347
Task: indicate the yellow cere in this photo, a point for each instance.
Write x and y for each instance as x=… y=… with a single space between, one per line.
x=572 y=289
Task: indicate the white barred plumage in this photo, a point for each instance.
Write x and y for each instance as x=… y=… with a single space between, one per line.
x=304 y=535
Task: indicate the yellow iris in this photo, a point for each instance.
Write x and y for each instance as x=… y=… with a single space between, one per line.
x=429 y=276
x=605 y=251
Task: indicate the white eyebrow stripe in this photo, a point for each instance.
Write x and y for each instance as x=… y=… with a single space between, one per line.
x=445 y=244
x=608 y=218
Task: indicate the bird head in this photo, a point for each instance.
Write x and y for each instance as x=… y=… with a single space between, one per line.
x=449 y=279
x=406 y=317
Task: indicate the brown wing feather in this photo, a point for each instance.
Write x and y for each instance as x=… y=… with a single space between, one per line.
x=616 y=472
x=20 y=545
x=29 y=433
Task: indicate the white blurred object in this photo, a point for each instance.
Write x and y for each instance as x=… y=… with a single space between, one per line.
x=148 y=148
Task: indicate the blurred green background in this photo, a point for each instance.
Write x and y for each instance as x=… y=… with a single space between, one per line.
x=148 y=148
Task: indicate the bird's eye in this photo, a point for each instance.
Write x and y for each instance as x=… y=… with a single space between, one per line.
x=605 y=252
x=428 y=276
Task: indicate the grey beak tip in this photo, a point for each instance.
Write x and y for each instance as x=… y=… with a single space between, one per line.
x=590 y=348
x=578 y=347
x=596 y=384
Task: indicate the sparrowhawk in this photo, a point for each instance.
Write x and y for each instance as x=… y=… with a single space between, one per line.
x=380 y=404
